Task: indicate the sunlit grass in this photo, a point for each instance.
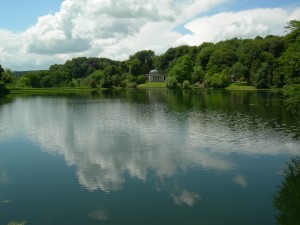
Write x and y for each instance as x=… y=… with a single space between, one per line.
x=241 y=86
x=152 y=85
x=49 y=90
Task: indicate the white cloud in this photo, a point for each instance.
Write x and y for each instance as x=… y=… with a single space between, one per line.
x=117 y=29
x=243 y=24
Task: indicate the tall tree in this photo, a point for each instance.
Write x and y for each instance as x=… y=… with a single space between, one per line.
x=182 y=70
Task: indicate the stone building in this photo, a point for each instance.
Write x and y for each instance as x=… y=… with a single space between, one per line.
x=155 y=76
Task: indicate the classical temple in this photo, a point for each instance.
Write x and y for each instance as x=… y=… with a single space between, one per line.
x=155 y=76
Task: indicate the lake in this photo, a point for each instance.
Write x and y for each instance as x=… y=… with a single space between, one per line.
x=144 y=157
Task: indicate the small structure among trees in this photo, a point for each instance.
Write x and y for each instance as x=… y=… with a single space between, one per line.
x=155 y=76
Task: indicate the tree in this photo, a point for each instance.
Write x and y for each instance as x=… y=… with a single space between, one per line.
x=145 y=59
x=140 y=79
x=46 y=81
x=263 y=77
x=182 y=70
x=203 y=56
x=171 y=83
x=217 y=80
x=1 y=71
x=198 y=74
x=186 y=84
x=24 y=82
x=3 y=89
x=293 y=27
x=238 y=71
x=287 y=198
x=135 y=67
x=7 y=76
x=222 y=59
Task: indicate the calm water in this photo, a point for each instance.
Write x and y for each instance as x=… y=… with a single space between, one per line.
x=149 y=157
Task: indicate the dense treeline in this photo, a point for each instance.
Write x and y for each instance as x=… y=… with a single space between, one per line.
x=267 y=62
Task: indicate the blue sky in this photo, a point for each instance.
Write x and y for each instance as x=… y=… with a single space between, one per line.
x=37 y=33
x=18 y=15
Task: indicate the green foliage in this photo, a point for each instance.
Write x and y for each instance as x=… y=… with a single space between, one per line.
x=238 y=71
x=182 y=70
x=287 y=198
x=186 y=84
x=135 y=67
x=46 y=81
x=93 y=83
x=123 y=84
x=222 y=59
x=140 y=79
x=217 y=80
x=263 y=78
x=198 y=74
x=23 y=82
x=171 y=83
x=141 y=62
x=292 y=95
x=116 y=80
x=3 y=89
x=202 y=58
x=261 y=62
x=7 y=76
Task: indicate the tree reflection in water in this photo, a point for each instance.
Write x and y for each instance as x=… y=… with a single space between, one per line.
x=287 y=199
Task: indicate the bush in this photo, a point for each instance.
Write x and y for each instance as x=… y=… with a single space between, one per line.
x=140 y=79
x=93 y=83
x=171 y=82
x=24 y=82
x=186 y=84
x=217 y=80
x=123 y=84
x=3 y=89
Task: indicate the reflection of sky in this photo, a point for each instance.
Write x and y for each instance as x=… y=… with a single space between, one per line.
x=105 y=139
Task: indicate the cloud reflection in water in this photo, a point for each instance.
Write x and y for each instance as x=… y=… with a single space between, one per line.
x=105 y=138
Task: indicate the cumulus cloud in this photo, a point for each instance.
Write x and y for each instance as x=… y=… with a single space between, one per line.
x=243 y=24
x=105 y=28
x=117 y=29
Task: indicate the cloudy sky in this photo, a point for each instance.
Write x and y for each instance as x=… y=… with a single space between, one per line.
x=35 y=34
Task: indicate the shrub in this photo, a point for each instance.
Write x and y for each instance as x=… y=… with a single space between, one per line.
x=141 y=79
x=171 y=82
x=3 y=89
x=24 y=82
x=93 y=83
x=186 y=84
x=217 y=80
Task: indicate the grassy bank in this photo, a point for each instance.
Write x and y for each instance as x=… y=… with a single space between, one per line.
x=152 y=85
x=51 y=90
x=240 y=87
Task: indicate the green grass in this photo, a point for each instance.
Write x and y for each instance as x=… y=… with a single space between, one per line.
x=152 y=85
x=50 y=90
x=240 y=87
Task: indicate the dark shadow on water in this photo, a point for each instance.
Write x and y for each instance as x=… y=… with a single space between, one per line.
x=287 y=199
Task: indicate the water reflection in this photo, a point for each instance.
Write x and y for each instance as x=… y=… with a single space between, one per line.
x=106 y=136
x=240 y=180
x=185 y=197
x=287 y=199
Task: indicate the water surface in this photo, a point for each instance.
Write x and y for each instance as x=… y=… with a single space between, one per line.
x=144 y=157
